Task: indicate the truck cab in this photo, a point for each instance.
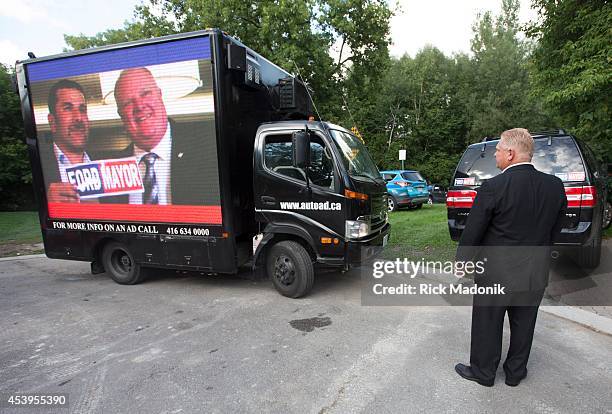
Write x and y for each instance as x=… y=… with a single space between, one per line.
x=315 y=184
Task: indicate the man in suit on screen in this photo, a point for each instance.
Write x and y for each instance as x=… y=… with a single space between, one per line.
x=69 y=124
x=169 y=159
x=512 y=224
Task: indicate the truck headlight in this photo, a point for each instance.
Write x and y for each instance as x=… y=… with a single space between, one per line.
x=356 y=229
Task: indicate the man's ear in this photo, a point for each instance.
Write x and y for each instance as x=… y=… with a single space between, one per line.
x=51 y=119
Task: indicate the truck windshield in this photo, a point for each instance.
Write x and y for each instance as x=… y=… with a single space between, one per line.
x=355 y=156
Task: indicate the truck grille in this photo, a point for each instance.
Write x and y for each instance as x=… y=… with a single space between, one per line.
x=379 y=211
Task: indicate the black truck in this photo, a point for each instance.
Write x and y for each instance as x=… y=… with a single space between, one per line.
x=194 y=152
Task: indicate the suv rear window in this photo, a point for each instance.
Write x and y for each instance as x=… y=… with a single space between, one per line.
x=412 y=176
x=561 y=158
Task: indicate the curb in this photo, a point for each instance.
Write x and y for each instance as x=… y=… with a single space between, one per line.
x=24 y=257
x=585 y=318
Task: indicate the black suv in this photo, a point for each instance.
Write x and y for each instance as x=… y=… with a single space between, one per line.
x=555 y=153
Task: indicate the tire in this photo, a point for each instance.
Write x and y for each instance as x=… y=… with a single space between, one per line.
x=430 y=200
x=589 y=256
x=607 y=215
x=120 y=265
x=289 y=266
x=418 y=206
x=392 y=204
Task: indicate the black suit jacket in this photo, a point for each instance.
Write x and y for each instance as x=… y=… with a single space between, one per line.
x=514 y=220
x=189 y=183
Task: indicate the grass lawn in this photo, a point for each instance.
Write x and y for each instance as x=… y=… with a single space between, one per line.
x=19 y=227
x=423 y=233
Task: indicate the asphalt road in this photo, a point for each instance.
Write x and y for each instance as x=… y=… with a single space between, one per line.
x=190 y=343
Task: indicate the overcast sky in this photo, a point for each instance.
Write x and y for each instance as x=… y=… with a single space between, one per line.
x=39 y=25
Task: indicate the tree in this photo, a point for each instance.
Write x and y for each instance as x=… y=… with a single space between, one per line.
x=15 y=174
x=571 y=69
x=421 y=110
x=297 y=35
x=498 y=88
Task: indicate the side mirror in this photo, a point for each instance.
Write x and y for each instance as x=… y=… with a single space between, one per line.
x=301 y=149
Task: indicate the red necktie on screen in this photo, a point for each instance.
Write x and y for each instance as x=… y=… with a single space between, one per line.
x=151 y=189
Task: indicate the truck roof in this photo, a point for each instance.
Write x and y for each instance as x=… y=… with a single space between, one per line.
x=125 y=44
x=299 y=124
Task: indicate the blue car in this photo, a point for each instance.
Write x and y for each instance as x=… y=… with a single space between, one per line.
x=406 y=188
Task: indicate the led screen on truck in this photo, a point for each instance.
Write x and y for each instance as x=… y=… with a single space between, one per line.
x=129 y=134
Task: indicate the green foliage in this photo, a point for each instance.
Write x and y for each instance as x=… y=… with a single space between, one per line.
x=571 y=67
x=498 y=88
x=421 y=110
x=15 y=168
x=296 y=35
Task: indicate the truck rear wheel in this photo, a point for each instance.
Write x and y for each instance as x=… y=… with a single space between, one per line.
x=289 y=266
x=120 y=265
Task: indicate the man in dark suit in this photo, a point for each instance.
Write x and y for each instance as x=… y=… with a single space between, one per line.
x=169 y=159
x=69 y=126
x=512 y=224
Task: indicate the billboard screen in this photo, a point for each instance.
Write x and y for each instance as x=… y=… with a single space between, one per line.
x=128 y=135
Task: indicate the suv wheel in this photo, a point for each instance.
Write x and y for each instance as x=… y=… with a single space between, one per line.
x=607 y=215
x=589 y=256
x=392 y=204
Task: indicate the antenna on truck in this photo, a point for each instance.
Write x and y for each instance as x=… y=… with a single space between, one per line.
x=307 y=91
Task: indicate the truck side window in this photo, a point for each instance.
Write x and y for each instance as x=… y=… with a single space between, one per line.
x=278 y=157
x=321 y=171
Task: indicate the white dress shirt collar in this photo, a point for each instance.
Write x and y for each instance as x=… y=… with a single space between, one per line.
x=514 y=165
x=63 y=162
x=163 y=149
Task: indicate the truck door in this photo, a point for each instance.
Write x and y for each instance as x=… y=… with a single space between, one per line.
x=281 y=194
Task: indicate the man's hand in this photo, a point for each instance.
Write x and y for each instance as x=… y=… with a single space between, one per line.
x=62 y=193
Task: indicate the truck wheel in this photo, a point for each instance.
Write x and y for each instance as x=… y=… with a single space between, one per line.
x=418 y=206
x=120 y=265
x=392 y=204
x=589 y=256
x=289 y=266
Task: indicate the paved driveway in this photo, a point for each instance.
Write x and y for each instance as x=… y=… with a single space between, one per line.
x=188 y=343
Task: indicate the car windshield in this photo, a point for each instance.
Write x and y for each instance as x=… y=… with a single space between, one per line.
x=561 y=158
x=412 y=176
x=355 y=156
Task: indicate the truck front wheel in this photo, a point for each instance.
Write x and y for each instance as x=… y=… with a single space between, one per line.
x=120 y=265
x=289 y=266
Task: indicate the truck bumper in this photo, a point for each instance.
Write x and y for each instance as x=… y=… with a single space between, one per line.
x=360 y=251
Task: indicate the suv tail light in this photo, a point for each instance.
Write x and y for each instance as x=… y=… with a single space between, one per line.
x=584 y=196
x=460 y=198
x=403 y=184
